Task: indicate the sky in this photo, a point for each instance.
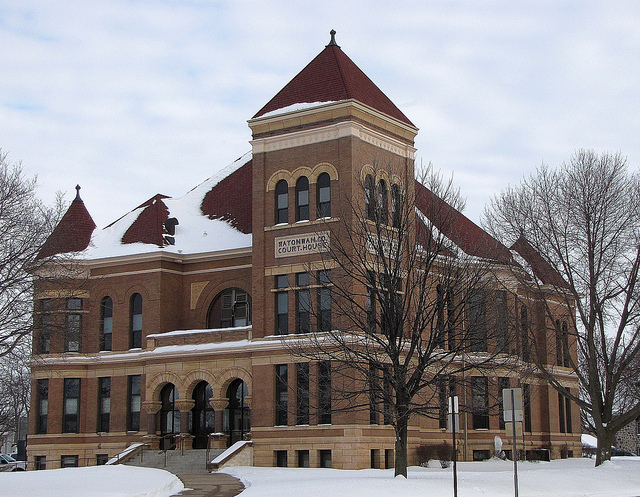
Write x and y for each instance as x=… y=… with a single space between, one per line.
x=134 y=98
x=559 y=478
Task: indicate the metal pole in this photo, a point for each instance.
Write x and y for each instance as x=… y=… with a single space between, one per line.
x=515 y=443
x=455 y=459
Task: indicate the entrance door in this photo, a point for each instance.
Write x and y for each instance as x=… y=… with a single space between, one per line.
x=169 y=416
x=237 y=417
x=202 y=415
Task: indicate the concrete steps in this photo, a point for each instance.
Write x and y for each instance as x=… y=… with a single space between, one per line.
x=193 y=461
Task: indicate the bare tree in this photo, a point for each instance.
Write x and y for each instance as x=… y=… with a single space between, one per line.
x=14 y=388
x=25 y=224
x=583 y=218
x=399 y=289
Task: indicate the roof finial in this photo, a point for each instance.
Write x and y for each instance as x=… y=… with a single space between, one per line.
x=77 y=194
x=333 y=43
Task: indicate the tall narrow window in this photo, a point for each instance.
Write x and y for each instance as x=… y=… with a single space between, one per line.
x=503 y=383
x=303 y=299
x=382 y=202
x=282 y=202
x=371 y=301
x=526 y=405
x=439 y=318
x=323 y=195
x=373 y=394
x=282 y=304
x=478 y=321
x=443 y=402
x=73 y=331
x=106 y=323
x=43 y=405
x=561 y=413
x=502 y=323
x=302 y=199
x=135 y=334
x=480 y=402
x=524 y=332
x=133 y=407
x=566 y=357
x=396 y=206
x=71 y=406
x=324 y=392
x=387 y=395
x=45 y=326
x=302 y=393
x=282 y=395
x=324 y=300
x=369 y=200
x=104 y=404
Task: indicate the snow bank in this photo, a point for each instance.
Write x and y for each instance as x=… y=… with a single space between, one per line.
x=95 y=481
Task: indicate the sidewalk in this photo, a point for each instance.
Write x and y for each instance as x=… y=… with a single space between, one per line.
x=210 y=485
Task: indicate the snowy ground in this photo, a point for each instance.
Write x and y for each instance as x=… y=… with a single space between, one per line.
x=561 y=478
x=96 y=481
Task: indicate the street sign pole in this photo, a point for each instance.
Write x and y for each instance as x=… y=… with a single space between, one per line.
x=453 y=426
x=515 y=442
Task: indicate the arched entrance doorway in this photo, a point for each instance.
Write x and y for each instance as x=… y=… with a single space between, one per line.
x=169 y=415
x=237 y=416
x=202 y=415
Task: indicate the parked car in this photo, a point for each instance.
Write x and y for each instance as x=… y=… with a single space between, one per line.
x=616 y=452
x=8 y=463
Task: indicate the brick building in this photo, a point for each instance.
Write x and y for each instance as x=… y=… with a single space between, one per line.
x=177 y=325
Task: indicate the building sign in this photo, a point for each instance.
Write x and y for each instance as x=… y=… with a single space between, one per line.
x=309 y=243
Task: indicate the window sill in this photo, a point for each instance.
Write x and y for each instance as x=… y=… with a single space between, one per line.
x=281 y=226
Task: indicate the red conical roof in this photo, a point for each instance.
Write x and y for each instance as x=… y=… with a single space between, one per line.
x=332 y=77
x=73 y=232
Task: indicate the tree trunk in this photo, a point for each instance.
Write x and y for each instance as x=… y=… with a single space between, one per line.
x=401 y=447
x=605 y=439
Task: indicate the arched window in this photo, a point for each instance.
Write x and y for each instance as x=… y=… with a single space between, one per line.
x=202 y=419
x=236 y=419
x=106 y=323
x=302 y=199
x=368 y=197
x=282 y=202
x=230 y=308
x=135 y=326
x=323 y=195
x=396 y=206
x=382 y=202
x=169 y=414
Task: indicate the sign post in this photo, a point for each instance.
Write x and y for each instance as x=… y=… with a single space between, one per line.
x=513 y=413
x=454 y=427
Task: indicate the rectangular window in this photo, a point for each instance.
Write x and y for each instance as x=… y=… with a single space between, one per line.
x=371 y=301
x=282 y=395
x=302 y=393
x=303 y=300
x=43 y=406
x=71 y=405
x=281 y=458
x=502 y=321
x=133 y=407
x=104 y=404
x=41 y=462
x=324 y=392
x=44 y=343
x=282 y=305
x=443 y=403
x=480 y=402
x=73 y=332
x=101 y=459
x=478 y=321
x=561 y=413
x=69 y=461
x=567 y=401
x=524 y=333
x=503 y=383
x=387 y=395
x=526 y=404
x=373 y=391
x=325 y=458
x=324 y=301
x=303 y=458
